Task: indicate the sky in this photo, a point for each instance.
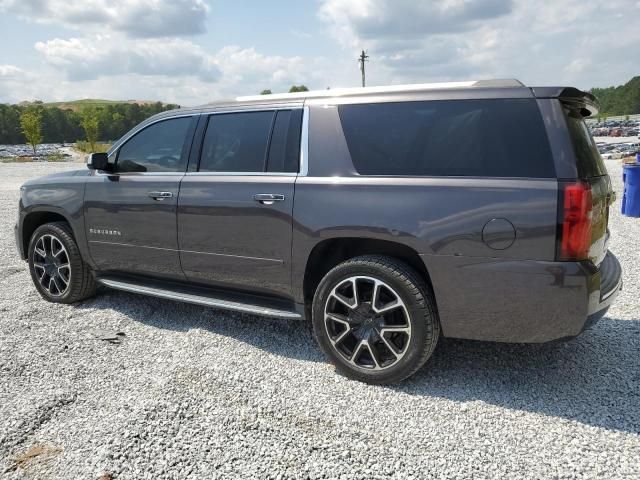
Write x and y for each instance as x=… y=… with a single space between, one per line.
x=195 y=51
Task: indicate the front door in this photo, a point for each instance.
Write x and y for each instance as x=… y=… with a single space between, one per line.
x=130 y=214
x=235 y=212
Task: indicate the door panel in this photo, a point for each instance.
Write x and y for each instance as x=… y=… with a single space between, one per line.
x=130 y=215
x=228 y=239
x=128 y=230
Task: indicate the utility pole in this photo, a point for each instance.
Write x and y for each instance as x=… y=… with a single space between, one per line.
x=363 y=58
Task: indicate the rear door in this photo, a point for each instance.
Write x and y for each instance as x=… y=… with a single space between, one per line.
x=235 y=211
x=130 y=214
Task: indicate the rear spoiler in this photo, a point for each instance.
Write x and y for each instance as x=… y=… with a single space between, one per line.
x=584 y=102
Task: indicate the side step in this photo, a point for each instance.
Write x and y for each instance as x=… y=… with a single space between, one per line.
x=206 y=300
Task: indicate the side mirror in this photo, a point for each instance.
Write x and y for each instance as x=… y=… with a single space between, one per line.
x=98 y=161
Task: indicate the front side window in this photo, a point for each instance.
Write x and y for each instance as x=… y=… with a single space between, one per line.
x=160 y=147
x=236 y=142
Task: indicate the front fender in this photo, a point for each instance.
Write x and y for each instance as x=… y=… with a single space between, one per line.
x=55 y=200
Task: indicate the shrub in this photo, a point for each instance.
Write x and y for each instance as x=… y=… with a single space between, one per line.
x=85 y=147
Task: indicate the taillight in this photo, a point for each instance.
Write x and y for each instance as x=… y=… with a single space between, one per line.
x=574 y=221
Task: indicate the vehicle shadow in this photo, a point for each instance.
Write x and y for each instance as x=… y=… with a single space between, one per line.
x=285 y=338
x=593 y=379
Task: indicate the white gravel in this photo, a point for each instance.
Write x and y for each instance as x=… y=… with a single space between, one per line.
x=199 y=393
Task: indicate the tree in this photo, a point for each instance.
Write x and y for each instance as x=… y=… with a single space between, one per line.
x=91 y=124
x=31 y=123
x=266 y=92
x=620 y=100
x=298 y=88
x=65 y=124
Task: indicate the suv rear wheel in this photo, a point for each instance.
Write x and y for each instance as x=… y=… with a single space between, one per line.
x=57 y=269
x=375 y=318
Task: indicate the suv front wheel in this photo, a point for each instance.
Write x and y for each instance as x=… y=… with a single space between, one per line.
x=375 y=318
x=57 y=269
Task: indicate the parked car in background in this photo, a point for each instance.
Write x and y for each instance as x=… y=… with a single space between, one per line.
x=386 y=216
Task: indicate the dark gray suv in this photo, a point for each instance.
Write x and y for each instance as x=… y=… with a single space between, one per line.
x=387 y=216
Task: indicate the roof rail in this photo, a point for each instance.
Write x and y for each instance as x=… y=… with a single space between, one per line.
x=336 y=92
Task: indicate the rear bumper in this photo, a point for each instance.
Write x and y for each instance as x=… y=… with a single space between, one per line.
x=608 y=279
x=521 y=301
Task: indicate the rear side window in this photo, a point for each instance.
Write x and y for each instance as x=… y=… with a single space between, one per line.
x=589 y=161
x=236 y=142
x=284 y=151
x=252 y=142
x=486 y=138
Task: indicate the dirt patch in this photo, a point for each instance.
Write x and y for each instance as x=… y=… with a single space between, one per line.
x=39 y=453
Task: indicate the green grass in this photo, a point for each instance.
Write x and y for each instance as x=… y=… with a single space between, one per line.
x=56 y=157
x=84 y=146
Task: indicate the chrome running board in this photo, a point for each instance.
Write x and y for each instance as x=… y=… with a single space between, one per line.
x=199 y=299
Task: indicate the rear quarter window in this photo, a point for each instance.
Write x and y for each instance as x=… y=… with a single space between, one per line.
x=485 y=138
x=589 y=163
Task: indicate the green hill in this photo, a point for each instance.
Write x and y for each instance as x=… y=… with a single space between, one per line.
x=88 y=102
x=620 y=100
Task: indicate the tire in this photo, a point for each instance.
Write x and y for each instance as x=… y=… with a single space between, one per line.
x=51 y=247
x=384 y=332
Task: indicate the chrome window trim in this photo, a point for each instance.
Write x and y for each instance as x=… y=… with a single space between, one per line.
x=138 y=174
x=251 y=108
x=242 y=174
x=303 y=168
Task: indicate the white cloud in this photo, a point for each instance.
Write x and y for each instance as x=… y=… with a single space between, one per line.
x=579 y=42
x=173 y=70
x=16 y=84
x=246 y=65
x=233 y=68
x=111 y=54
x=136 y=18
x=10 y=72
x=406 y=20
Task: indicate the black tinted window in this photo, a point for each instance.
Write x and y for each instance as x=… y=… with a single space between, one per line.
x=284 y=149
x=497 y=138
x=236 y=142
x=589 y=161
x=158 y=148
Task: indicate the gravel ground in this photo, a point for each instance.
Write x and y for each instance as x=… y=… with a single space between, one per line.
x=199 y=393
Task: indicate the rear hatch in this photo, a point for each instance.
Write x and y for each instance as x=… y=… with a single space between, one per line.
x=584 y=204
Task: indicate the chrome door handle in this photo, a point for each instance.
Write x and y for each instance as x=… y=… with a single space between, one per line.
x=160 y=195
x=268 y=198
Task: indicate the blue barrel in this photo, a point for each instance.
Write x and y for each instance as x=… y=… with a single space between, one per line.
x=631 y=193
x=638 y=157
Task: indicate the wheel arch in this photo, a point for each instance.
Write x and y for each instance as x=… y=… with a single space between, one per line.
x=37 y=218
x=330 y=252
